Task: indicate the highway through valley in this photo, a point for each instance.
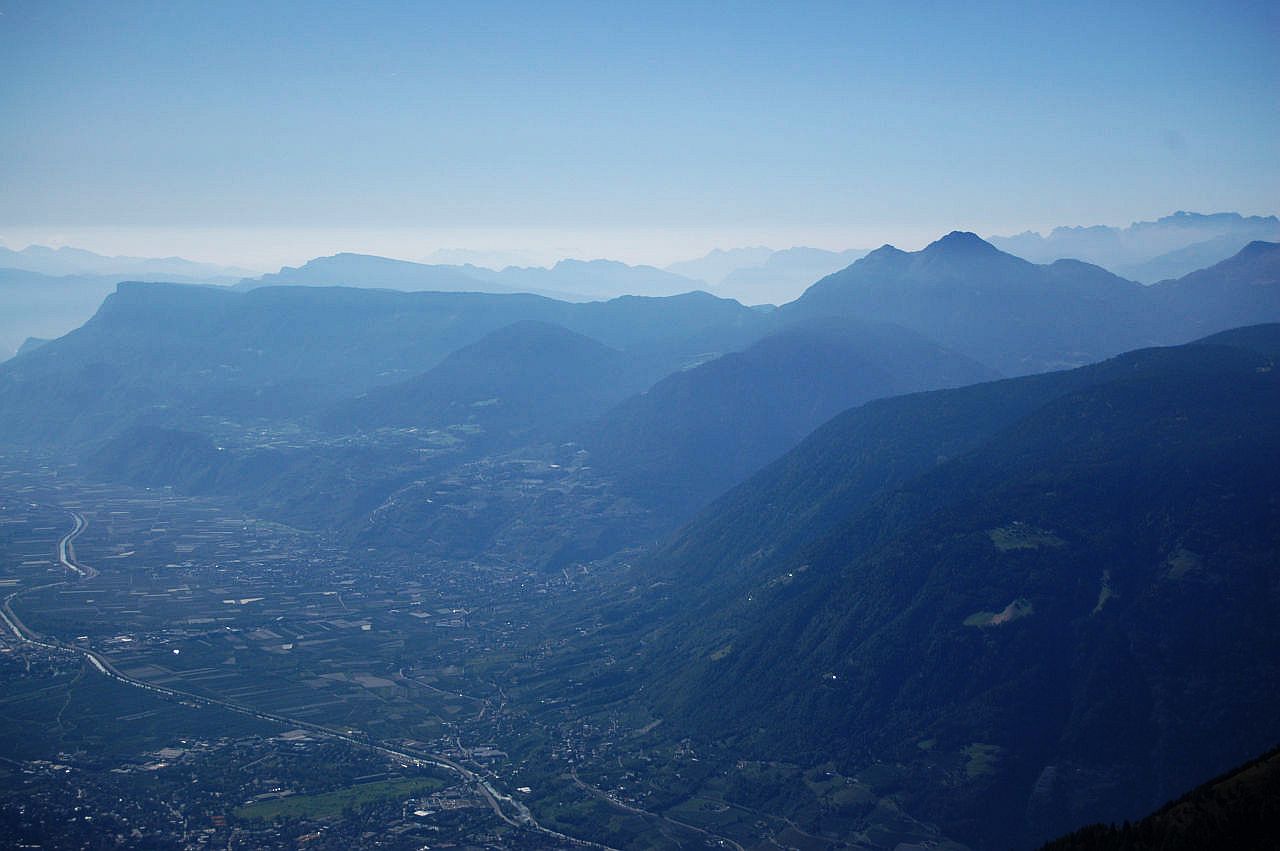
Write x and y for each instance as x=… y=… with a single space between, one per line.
x=504 y=806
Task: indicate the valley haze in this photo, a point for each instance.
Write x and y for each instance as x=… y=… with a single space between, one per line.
x=639 y=426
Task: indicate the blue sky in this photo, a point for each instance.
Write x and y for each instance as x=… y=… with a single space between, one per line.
x=257 y=131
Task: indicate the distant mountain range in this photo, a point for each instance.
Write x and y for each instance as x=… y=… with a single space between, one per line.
x=763 y=276
x=78 y=261
x=1001 y=310
x=717 y=264
x=596 y=279
x=785 y=275
x=1019 y=317
x=294 y=348
x=572 y=280
x=41 y=299
x=48 y=291
x=372 y=272
x=1169 y=247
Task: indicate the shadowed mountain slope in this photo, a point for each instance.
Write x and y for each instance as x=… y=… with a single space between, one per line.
x=958 y=582
x=1239 y=810
x=520 y=381
x=1240 y=290
x=700 y=431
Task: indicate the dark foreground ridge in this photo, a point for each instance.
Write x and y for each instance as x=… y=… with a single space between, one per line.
x=1239 y=810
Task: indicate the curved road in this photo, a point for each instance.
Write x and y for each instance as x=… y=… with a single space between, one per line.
x=499 y=802
x=67 y=550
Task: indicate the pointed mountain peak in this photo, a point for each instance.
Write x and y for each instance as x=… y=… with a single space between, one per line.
x=961 y=242
x=1258 y=248
x=885 y=251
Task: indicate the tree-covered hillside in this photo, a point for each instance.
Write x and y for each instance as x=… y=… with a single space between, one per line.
x=960 y=582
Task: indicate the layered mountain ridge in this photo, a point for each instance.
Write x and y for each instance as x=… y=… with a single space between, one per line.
x=976 y=570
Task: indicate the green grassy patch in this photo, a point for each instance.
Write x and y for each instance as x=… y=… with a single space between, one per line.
x=1182 y=562
x=981 y=759
x=822 y=779
x=1019 y=608
x=331 y=804
x=1104 y=593
x=1022 y=536
x=703 y=811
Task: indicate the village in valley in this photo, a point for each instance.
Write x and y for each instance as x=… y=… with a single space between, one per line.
x=193 y=677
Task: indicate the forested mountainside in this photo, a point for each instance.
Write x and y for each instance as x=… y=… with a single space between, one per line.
x=963 y=578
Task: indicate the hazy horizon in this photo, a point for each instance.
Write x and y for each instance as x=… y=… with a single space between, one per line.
x=263 y=136
x=269 y=249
